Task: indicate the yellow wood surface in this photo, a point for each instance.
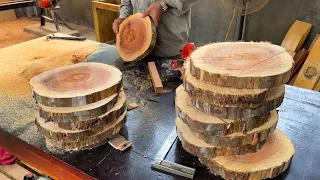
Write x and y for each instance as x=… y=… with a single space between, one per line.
x=104 y=13
x=8 y=15
x=14 y=171
x=296 y=36
x=310 y=72
x=314 y=41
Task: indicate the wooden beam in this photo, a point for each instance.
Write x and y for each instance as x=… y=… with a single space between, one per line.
x=34 y=157
x=157 y=83
x=107 y=6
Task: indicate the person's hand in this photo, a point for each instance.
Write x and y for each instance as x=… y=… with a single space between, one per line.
x=116 y=24
x=155 y=12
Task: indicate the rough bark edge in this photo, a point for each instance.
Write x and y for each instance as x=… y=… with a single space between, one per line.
x=217 y=170
x=77 y=116
x=152 y=44
x=236 y=113
x=224 y=100
x=222 y=129
x=238 y=141
x=240 y=82
x=211 y=152
x=77 y=101
x=90 y=142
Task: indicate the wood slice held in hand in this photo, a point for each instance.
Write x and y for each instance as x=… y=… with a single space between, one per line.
x=76 y=85
x=221 y=96
x=91 y=141
x=200 y=148
x=136 y=38
x=204 y=123
x=52 y=130
x=270 y=161
x=273 y=100
x=245 y=65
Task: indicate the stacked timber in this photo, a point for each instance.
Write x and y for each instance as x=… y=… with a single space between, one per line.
x=226 y=109
x=80 y=106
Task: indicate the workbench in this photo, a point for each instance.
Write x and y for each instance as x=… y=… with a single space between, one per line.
x=148 y=127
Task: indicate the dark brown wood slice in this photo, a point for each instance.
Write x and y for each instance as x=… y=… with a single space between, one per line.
x=273 y=100
x=200 y=148
x=204 y=123
x=245 y=65
x=91 y=141
x=76 y=85
x=270 y=161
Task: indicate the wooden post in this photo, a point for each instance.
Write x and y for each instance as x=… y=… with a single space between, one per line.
x=104 y=13
x=157 y=83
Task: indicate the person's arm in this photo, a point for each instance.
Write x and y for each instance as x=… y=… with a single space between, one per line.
x=126 y=9
x=181 y=6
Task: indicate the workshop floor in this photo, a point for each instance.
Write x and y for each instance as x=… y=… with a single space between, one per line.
x=12 y=32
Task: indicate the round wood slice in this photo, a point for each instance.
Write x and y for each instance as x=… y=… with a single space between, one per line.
x=52 y=130
x=270 y=161
x=204 y=123
x=76 y=85
x=245 y=65
x=91 y=141
x=221 y=96
x=240 y=139
x=136 y=38
x=103 y=120
x=273 y=100
x=200 y=148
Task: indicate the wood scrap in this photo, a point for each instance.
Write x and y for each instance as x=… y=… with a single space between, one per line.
x=296 y=36
x=244 y=65
x=157 y=83
x=120 y=143
x=299 y=60
x=14 y=171
x=136 y=38
x=314 y=41
x=132 y=106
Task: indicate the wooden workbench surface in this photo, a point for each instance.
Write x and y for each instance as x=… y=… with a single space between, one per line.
x=148 y=127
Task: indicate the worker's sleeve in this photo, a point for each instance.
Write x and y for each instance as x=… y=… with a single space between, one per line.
x=126 y=9
x=180 y=7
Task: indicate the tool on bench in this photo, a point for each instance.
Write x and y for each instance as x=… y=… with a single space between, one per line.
x=66 y=38
x=185 y=53
x=171 y=167
x=30 y=176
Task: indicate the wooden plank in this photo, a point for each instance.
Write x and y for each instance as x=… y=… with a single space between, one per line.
x=299 y=60
x=157 y=83
x=317 y=88
x=310 y=72
x=296 y=36
x=104 y=14
x=34 y=157
x=4 y=177
x=314 y=41
x=8 y=15
x=14 y=171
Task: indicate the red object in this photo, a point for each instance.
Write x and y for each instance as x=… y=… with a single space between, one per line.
x=6 y=158
x=47 y=3
x=187 y=50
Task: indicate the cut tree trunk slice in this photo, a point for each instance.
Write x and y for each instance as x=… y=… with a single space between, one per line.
x=221 y=96
x=245 y=65
x=52 y=130
x=200 y=148
x=273 y=100
x=76 y=85
x=270 y=161
x=240 y=139
x=136 y=38
x=91 y=141
x=204 y=123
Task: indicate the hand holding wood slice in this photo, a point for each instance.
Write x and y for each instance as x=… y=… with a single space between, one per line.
x=246 y=65
x=76 y=85
x=136 y=38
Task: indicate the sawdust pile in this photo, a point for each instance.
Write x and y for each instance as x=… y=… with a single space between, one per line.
x=21 y=62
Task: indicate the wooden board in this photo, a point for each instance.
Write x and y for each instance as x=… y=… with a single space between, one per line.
x=8 y=15
x=270 y=161
x=273 y=100
x=310 y=72
x=299 y=60
x=91 y=141
x=156 y=81
x=206 y=124
x=296 y=36
x=200 y=148
x=4 y=177
x=244 y=65
x=52 y=130
x=221 y=96
x=76 y=85
x=136 y=38
x=14 y=171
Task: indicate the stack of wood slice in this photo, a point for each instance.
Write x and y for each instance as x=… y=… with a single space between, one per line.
x=226 y=109
x=80 y=106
